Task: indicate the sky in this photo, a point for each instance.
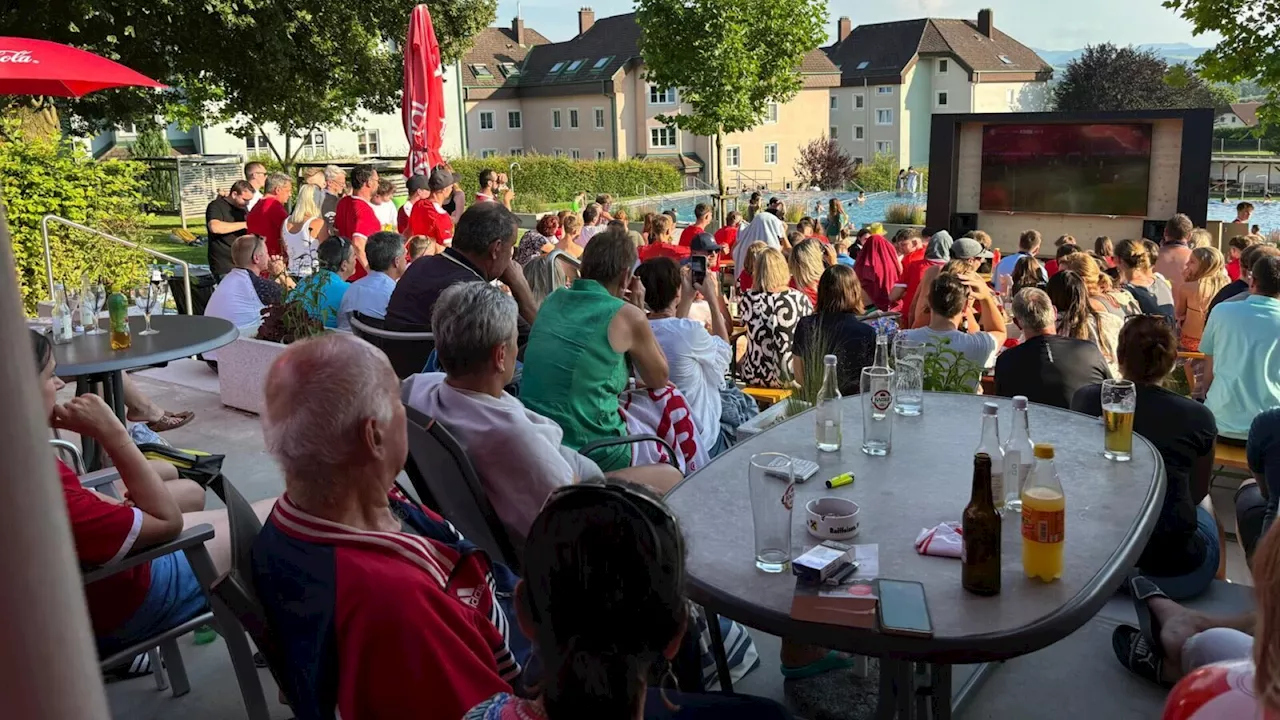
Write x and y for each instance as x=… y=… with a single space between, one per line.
x=1043 y=24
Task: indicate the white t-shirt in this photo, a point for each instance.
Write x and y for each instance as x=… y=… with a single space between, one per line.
x=979 y=348
x=386 y=214
x=516 y=452
x=257 y=195
x=236 y=301
x=589 y=232
x=697 y=361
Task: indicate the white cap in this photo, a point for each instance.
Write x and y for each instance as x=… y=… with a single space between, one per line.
x=1019 y=402
x=990 y=408
x=829 y=360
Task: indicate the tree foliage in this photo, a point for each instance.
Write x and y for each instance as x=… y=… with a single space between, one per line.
x=881 y=174
x=823 y=164
x=1106 y=77
x=293 y=65
x=1250 y=47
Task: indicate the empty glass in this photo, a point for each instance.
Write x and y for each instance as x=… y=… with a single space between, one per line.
x=908 y=364
x=1119 y=401
x=877 y=410
x=150 y=298
x=773 y=493
x=94 y=302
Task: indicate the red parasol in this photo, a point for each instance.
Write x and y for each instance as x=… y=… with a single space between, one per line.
x=40 y=67
x=423 y=100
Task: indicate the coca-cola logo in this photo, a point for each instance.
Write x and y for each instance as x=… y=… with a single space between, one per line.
x=22 y=57
x=881 y=399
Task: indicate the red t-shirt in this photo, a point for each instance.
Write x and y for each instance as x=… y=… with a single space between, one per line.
x=811 y=293
x=1051 y=267
x=104 y=532
x=1233 y=269
x=688 y=234
x=266 y=220
x=727 y=237
x=355 y=216
x=913 y=267
x=431 y=220
x=654 y=250
x=402 y=219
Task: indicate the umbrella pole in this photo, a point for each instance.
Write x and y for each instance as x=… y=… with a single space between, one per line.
x=50 y=662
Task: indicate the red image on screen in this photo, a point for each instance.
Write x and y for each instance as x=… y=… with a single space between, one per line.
x=1080 y=169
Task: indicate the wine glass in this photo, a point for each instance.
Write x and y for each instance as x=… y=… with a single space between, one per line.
x=95 y=298
x=150 y=298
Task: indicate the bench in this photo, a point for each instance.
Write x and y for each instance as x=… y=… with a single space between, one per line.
x=1229 y=456
x=766 y=397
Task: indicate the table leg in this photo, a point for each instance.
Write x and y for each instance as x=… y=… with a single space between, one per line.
x=972 y=685
x=717 y=650
x=116 y=380
x=89 y=450
x=897 y=690
x=940 y=692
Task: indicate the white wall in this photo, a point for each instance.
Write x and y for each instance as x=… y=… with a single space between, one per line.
x=1026 y=97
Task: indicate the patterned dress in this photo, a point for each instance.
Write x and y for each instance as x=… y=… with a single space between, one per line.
x=771 y=320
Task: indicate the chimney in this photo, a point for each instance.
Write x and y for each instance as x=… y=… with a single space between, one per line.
x=843 y=28
x=986 y=22
x=517 y=29
x=586 y=18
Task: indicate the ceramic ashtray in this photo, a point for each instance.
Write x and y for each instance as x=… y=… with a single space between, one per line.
x=832 y=518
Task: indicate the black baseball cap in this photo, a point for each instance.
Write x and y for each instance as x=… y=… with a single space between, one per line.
x=418 y=182
x=704 y=242
x=440 y=179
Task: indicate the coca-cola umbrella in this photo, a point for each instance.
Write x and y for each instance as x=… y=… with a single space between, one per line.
x=423 y=99
x=41 y=67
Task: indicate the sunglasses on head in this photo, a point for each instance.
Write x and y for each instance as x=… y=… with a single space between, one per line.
x=630 y=497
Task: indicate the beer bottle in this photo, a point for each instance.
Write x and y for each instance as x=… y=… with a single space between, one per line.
x=980 y=553
x=118 y=312
x=990 y=444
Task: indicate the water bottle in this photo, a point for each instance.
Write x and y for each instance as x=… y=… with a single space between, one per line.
x=828 y=428
x=62 y=332
x=1019 y=455
x=882 y=350
x=990 y=446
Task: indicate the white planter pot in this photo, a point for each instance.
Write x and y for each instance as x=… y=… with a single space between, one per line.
x=771 y=416
x=242 y=372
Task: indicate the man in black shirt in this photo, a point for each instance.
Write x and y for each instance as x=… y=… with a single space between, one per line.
x=224 y=221
x=335 y=185
x=1046 y=367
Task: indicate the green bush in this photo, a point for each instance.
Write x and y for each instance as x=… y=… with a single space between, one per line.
x=881 y=174
x=46 y=177
x=904 y=214
x=559 y=179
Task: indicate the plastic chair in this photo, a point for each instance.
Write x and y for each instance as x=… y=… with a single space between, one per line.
x=407 y=351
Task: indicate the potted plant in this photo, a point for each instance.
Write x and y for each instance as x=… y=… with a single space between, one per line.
x=243 y=365
x=948 y=370
x=804 y=389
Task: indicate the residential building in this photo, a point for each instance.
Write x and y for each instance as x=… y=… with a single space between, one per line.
x=490 y=77
x=1241 y=115
x=894 y=76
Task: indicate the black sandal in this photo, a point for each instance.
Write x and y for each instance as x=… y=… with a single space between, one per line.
x=1141 y=656
x=1141 y=590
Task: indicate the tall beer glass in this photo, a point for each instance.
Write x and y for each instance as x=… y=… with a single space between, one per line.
x=908 y=367
x=773 y=493
x=877 y=410
x=1119 y=400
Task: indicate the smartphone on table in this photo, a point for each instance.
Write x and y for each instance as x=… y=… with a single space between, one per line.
x=903 y=610
x=698 y=264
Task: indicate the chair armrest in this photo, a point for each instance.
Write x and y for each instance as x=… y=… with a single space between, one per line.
x=631 y=440
x=98 y=478
x=190 y=537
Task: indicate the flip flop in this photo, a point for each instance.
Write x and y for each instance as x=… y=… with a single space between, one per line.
x=139 y=666
x=1139 y=655
x=1141 y=590
x=171 y=421
x=831 y=661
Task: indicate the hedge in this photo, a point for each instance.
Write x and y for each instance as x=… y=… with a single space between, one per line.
x=46 y=176
x=544 y=179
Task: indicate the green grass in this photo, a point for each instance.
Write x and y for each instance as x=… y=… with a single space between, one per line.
x=158 y=239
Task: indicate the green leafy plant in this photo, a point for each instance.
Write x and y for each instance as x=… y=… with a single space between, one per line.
x=794 y=212
x=44 y=176
x=528 y=203
x=881 y=174
x=559 y=179
x=948 y=370
x=806 y=388
x=292 y=320
x=904 y=214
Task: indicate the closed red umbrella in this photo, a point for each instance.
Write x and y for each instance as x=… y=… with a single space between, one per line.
x=423 y=100
x=40 y=67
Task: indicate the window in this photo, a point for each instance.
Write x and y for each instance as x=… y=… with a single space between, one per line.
x=127 y=129
x=488 y=153
x=255 y=145
x=1009 y=96
x=314 y=146
x=481 y=71
x=600 y=154
x=884 y=117
x=858 y=160
x=514 y=120
x=859 y=132
x=573 y=66
x=884 y=90
x=576 y=154
x=733 y=156
x=1005 y=59
x=573 y=118
x=863 y=65
x=662 y=137
x=556 y=68
x=509 y=69
x=557 y=152
x=771 y=154
x=486 y=120
x=942 y=99
x=368 y=142
x=599 y=113
x=658 y=96
x=859 y=101
x=942 y=67
x=555 y=119
x=601 y=63
x=834 y=133
x=835 y=102
x=516 y=152
x=771 y=113
x=884 y=147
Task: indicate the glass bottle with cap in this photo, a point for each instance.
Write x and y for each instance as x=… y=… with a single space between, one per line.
x=1019 y=455
x=827 y=417
x=1044 y=517
x=990 y=446
x=980 y=536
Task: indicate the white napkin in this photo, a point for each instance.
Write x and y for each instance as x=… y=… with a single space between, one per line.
x=943 y=541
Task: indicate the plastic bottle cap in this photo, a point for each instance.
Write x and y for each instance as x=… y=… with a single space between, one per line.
x=1044 y=451
x=829 y=359
x=1019 y=402
x=990 y=409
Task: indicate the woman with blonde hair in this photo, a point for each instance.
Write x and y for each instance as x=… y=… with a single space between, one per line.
x=1203 y=277
x=807 y=265
x=302 y=231
x=545 y=276
x=771 y=311
x=746 y=279
x=572 y=226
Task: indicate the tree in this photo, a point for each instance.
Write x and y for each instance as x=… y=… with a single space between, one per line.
x=823 y=164
x=298 y=66
x=1249 y=49
x=1106 y=77
x=728 y=58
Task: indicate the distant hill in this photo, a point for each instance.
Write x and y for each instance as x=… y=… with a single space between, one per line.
x=1172 y=52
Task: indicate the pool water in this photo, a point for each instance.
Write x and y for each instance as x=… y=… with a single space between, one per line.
x=1265 y=216
x=868 y=212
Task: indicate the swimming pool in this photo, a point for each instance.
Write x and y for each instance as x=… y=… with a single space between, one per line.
x=1265 y=216
x=868 y=212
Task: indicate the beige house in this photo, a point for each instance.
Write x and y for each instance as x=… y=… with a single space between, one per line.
x=588 y=98
x=895 y=76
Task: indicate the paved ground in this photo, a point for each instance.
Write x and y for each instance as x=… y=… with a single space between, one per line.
x=1100 y=691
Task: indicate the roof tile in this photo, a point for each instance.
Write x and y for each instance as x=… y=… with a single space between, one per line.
x=492 y=47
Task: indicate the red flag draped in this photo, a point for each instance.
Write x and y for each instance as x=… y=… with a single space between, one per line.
x=423 y=101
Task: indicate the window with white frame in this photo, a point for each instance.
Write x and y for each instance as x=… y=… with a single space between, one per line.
x=368 y=142
x=127 y=129
x=316 y=145
x=835 y=133
x=884 y=90
x=576 y=154
x=599 y=117
x=600 y=155
x=859 y=132
x=662 y=137
x=884 y=116
x=943 y=66
x=256 y=144
x=488 y=153
x=942 y=99
x=515 y=120
x=1009 y=96
x=771 y=113
x=486 y=120
x=516 y=152
x=555 y=119
x=859 y=101
x=481 y=71
x=573 y=118
x=884 y=147
x=835 y=102
x=771 y=154
x=557 y=152
x=733 y=156
x=659 y=96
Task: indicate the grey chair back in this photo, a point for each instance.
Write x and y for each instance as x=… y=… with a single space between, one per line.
x=407 y=351
x=446 y=482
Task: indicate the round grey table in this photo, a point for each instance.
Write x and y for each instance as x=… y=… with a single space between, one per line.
x=1111 y=510
x=99 y=369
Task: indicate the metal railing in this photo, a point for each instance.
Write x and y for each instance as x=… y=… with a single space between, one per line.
x=756 y=178
x=48 y=255
x=562 y=255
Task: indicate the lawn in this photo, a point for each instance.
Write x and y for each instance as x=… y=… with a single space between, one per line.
x=158 y=239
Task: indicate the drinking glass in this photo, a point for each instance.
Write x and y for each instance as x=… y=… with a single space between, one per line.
x=96 y=298
x=150 y=298
x=908 y=366
x=1119 y=401
x=773 y=493
x=877 y=413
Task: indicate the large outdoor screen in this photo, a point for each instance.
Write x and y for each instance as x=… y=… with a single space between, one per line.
x=1083 y=169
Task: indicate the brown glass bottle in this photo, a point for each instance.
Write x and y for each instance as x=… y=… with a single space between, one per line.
x=980 y=558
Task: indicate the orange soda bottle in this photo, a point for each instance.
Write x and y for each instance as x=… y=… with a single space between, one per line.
x=1044 y=516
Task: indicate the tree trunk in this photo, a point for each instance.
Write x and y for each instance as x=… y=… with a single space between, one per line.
x=37 y=118
x=720 y=199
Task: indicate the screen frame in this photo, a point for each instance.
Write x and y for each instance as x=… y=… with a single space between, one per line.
x=905 y=593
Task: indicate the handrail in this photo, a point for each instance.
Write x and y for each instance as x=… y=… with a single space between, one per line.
x=48 y=255
x=562 y=255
